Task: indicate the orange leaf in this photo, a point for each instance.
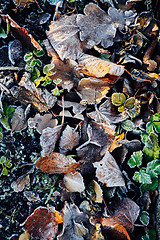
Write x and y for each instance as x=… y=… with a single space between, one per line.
x=122 y=230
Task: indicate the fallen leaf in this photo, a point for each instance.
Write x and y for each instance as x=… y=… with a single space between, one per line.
x=96 y=26
x=21 y=34
x=43 y=223
x=69 y=139
x=98 y=191
x=22 y=182
x=147 y=57
x=77 y=107
x=24 y=236
x=99 y=68
x=57 y=163
x=92 y=90
x=18 y=121
x=107 y=113
x=49 y=138
x=108 y=172
x=73 y=228
x=31 y=196
x=41 y=122
x=74 y=182
x=63 y=36
x=27 y=93
x=15 y=51
x=22 y=3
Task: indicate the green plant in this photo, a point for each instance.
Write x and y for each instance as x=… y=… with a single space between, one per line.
x=6 y=163
x=6 y=115
x=128 y=105
x=147 y=161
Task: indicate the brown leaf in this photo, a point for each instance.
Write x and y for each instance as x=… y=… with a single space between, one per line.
x=108 y=172
x=22 y=3
x=41 y=122
x=107 y=113
x=63 y=36
x=93 y=90
x=147 y=57
x=68 y=140
x=43 y=223
x=18 y=121
x=74 y=182
x=27 y=93
x=73 y=228
x=21 y=34
x=98 y=191
x=22 y=182
x=76 y=107
x=96 y=67
x=49 y=138
x=57 y=163
x=96 y=26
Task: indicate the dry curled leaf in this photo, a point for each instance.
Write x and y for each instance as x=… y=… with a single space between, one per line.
x=97 y=67
x=57 y=163
x=22 y=182
x=73 y=228
x=68 y=140
x=108 y=172
x=63 y=36
x=41 y=122
x=98 y=191
x=147 y=57
x=43 y=223
x=96 y=26
x=74 y=182
x=49 y=138
x=21 y=34
x=27 y=93
x=92 y=90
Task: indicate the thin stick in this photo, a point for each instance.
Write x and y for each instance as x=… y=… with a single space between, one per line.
x=141 y=79
x=62 y=111
x=38 y=5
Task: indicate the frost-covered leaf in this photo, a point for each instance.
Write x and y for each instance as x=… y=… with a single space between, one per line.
x=153 y=168
x=77 y=107
x=57 y=163
x=144 y=218
x=136 y=159
x=107 y=113
x=128 y=125
x=118 y=99
x=68 y=140
x=74 y=182
x=108 y=172
x=43 y=223
x=63 y=36
x=42 y=100
x=93 y=90
x=41 y=122
x=97 y=67
x=21 y=182
x=96 y=26
x=49 y=138
x=18 y=121
x=73 y=228
x=142 y=177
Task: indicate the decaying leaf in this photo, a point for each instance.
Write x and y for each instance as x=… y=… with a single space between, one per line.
x=108 y=172
x=31 y=196
x=43 y=223
x=96 y=26
x=68 y=140
x=98 y=191
x=21 y=34
x=74 y=182
x=41 y=122
x=22 y=182
x=93 y=90
x=147 y=57
x=63 y=36
x=73 y=228
x=97 y=67
x=27 y=93
x=18 y=121
x=49 y=138
x=57 y=163
x=125 y=213
x=97 y=234
x=77 y=107
x=107 y=113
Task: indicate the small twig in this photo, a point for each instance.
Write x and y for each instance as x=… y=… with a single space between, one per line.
x=10 y=68
x=38 y=5
x=62 y=111
x=141 y=79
